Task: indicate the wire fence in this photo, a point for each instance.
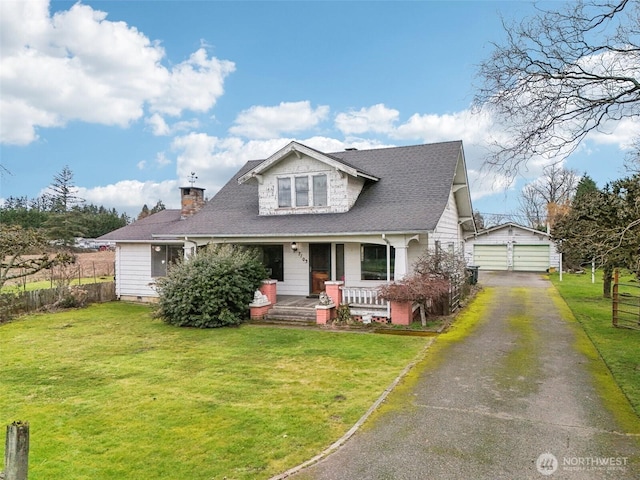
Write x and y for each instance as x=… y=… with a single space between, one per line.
x=76 y=274
x=625 y=304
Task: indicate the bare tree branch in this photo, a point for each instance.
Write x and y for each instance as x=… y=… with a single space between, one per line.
x=559 y=76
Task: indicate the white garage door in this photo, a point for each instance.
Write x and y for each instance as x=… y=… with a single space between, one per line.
x=531 y=258
x=490 y=257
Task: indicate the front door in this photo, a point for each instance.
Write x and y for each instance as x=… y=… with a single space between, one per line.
x=319 y=266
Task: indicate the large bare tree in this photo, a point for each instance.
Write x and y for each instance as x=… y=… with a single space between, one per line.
x=547 y=197
x=559 y=76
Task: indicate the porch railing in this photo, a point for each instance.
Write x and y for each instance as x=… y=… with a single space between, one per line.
x=365 y=301
x=362 y=296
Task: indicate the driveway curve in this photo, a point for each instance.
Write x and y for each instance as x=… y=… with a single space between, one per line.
x=514 y=399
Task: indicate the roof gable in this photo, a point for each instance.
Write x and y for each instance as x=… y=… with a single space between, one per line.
x=488 y=231
x=298 y=149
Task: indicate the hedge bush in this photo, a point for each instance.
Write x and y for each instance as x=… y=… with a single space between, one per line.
x=211 y=289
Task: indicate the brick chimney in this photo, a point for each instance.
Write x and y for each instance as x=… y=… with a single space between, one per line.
x=191 y=200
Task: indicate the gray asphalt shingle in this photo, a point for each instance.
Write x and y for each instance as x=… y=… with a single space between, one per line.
x=411 y=195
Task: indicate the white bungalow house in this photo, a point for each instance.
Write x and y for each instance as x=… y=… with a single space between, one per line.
x=511 y=247
x=358 y=216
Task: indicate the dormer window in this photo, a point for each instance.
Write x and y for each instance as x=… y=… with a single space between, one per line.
x=284 y=192
x=302 y=191
x=300 y=180
x=320 y=190
x=308 y=190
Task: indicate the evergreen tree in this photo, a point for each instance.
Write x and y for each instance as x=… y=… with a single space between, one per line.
x=604 y=226
x=159 y=206
x=65 y=223
x=63 y=191
x=585 y=186
x=144 y=213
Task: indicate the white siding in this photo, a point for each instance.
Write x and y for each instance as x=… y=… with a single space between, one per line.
x=296 y=271
x=448 y=230
x=342 y=190
x=133 y=270
x=352 y=266
x=511 y=236
x=417 y=250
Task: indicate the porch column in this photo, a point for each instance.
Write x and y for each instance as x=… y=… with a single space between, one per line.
x=189 y=249
x=402 y=262
x=269 y=288
x=334 y=292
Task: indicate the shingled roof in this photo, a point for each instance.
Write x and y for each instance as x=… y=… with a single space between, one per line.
x=143 y=230
x=410 y=197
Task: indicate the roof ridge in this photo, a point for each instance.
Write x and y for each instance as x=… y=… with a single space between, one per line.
x=396 y=148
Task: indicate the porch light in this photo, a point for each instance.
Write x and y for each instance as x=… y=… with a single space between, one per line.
x=294 y=246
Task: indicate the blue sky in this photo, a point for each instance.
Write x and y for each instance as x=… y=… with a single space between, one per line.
x=133 y=96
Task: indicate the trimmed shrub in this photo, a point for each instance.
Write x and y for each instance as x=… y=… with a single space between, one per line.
x=211 y=289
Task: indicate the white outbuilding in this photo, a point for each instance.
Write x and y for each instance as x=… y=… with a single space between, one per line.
x=511 y=247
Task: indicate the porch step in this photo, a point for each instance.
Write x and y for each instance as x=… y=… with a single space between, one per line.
x=291 y=315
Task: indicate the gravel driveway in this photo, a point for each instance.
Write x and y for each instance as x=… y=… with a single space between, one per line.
x=513 y=400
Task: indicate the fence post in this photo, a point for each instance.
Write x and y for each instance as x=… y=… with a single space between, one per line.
x=614 y=301
x=16 y=454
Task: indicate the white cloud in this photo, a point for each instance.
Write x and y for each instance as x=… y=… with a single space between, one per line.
x=194 y=84
x=130 y=195
x=466 y=125
x=97 y=71
x=485 y=184
x=141 y=164
x=621 y=133
x=261 y=122
x=376 y=118
x=158 y=125
x=162 y=160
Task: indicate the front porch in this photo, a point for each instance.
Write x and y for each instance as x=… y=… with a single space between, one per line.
x=293 y=310
x=364 y=303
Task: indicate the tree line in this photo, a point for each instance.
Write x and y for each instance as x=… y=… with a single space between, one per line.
x=61 y=215
x=88 y=221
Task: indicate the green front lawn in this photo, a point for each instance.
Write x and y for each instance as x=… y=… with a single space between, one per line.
x=110 y=393
x=619 y=347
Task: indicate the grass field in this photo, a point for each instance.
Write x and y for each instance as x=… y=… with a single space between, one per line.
x=619 y=347
x=47 y=284
x=111 y=393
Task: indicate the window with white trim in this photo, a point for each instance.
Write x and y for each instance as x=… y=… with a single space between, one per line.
x=162 y=256
x=307 y=190
x=320 y=190
x=373 y=261
x=284 y=192
x=302 y=191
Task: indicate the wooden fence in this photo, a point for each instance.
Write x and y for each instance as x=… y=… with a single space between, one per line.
x=12 y=304
x=625 y=304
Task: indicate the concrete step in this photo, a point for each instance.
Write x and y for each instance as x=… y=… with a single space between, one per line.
x=295 y=315
x=299 y=311
x=288 y=322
